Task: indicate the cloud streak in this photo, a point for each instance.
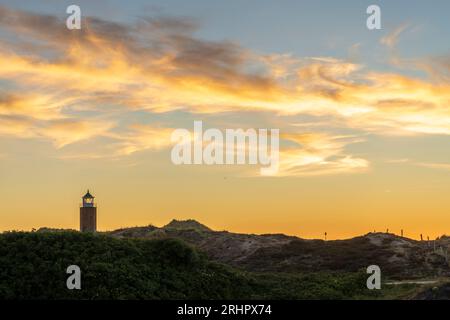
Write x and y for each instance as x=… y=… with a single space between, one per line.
x=64 y=86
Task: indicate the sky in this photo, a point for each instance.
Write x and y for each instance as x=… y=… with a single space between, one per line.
x=364 y=115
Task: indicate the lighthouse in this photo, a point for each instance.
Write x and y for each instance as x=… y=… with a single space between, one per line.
x=88 y=214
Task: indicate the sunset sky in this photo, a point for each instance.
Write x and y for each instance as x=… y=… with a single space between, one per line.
x=364 y=116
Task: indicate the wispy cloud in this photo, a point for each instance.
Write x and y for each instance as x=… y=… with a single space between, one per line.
x=391 y=39
x=64 y=86
x=319 y=154
x=432 y=165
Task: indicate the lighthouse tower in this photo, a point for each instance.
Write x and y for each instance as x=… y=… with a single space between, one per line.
x=88 y=214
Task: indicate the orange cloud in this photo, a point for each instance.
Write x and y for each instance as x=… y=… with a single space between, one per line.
x=319 y=154
x=64 y=132
x=158 y=66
